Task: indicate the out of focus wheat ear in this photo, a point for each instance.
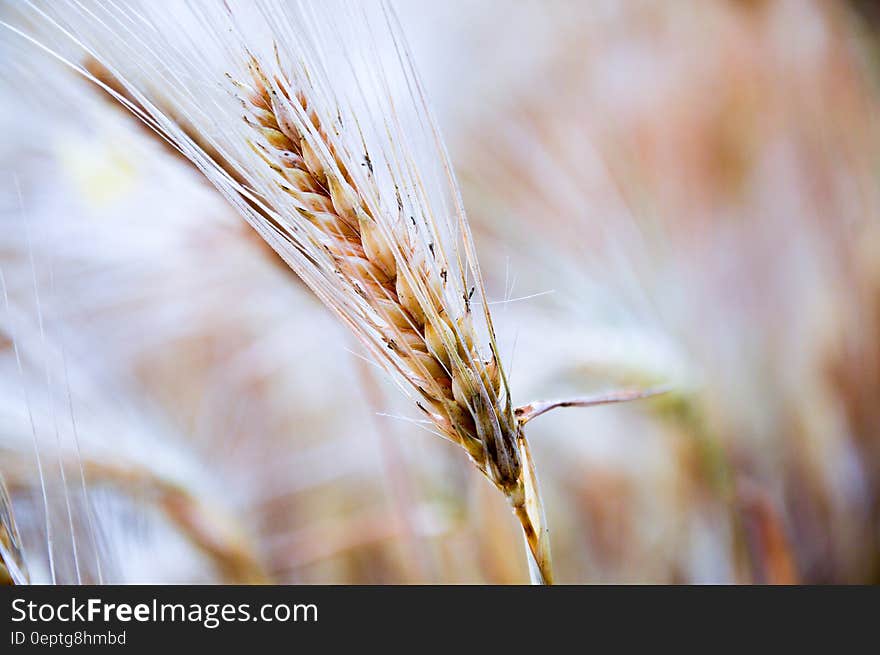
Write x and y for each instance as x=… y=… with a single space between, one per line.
x=13 y=570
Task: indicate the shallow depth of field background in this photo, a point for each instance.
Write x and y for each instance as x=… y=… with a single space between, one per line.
x=660 y=192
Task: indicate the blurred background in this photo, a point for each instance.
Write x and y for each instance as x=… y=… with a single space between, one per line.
x=661 y=192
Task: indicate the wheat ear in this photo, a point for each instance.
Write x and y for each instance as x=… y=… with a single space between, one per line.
x=432 y=340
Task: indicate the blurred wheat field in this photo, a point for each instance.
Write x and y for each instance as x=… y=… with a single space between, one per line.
x=660 y=193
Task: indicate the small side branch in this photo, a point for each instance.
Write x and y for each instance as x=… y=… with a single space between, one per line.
x=527 y=412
